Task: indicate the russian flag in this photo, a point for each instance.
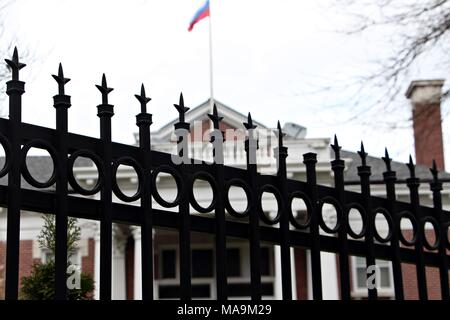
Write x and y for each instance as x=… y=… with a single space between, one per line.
x=201 y=13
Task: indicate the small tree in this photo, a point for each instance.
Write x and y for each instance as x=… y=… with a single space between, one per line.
x=40 y=284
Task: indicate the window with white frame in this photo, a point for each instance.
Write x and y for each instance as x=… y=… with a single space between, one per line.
x=386 y=283
x=203 y=273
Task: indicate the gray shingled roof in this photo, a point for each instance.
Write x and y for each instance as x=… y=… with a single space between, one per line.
x=378 y=167
x=41 y=168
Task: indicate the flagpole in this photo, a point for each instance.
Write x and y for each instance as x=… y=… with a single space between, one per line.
x=211 y=84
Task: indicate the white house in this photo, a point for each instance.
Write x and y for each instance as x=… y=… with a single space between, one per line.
x=127 y=248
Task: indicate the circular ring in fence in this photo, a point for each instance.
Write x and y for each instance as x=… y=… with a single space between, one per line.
x=378 y=225
x=127 y=161
x=338 y=210
x=240 y=184
x=7 y=147
x=71 y=177
x=268 y=188
x=209 y=179
x=356 y=209
x=302 y=196
x=404 y=217
x=40 y=144
x=174 y=173
x=437 y=233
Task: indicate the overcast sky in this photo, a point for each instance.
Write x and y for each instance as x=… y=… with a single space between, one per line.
x=270 y=57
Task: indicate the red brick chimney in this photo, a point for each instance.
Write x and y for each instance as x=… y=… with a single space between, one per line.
x=425 y=96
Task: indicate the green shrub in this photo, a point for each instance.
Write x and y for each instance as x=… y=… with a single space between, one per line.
x=40 y=284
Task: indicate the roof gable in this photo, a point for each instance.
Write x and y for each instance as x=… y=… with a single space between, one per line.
x=231 y=117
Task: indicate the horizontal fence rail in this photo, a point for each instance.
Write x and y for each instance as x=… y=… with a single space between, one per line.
x=17 y=138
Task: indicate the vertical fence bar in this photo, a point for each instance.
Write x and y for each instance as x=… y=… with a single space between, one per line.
x=182 y=129
x=436 y=188
x=144 y=121
x=285 y=248
x=413 y=184
x=364 y=173
x=310 y=160
x=338 y=166
x=251 y=145
x=220 y=238
x=105 y=113
x=389 y=178
x=61 y=104
x=14 y=89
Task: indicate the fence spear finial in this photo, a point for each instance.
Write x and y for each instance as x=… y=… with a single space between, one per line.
x=336 y=148
x=387 y=160
x=411 y=167
x=15 y=64
x=363 y=154
x=181 y=108
x=280 y=134
x=103 y=88
x=249 y=124
x=215 y=117
x=143 y=99
x=60 y=80
x=434 y=171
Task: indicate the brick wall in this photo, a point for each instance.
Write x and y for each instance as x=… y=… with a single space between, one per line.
x=300 y=274
x=88 y=262
x=410 y=276
x=129 y=268
x=426 y=96
x=26 y=258
x=428 y=134
x=206 y=125
x=26 y=262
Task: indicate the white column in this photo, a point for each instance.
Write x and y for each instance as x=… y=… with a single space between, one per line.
x=330 y=289
x=309 y=274
x=118 y=269
x=97 y=262
x=278 y=291
x=328 y=265
x=136 y=231
x=278 y=286
x=293 y=275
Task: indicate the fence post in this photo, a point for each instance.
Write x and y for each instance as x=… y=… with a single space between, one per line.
x=310 y=160
x=221 y=244
x=182 y=129
x=105 y=112
x=389 y=178
x=413 y=185
x=14 y=89
x=338 y=166
x=436 y=188
x=364 y=174
x=61 y=102
x=144 y=121
x=251 y=145
x=285 y=246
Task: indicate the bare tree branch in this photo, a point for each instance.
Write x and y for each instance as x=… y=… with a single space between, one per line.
x=413 y=30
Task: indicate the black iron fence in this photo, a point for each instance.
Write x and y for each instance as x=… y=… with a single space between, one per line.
x=284 y=230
